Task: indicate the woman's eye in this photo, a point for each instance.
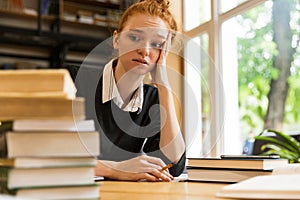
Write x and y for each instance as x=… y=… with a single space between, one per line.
x=134 y=38
x=157 y=45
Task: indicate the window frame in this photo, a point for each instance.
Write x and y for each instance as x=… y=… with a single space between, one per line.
x=213 y=29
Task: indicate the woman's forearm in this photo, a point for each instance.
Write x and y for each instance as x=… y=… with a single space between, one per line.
x=171 y=141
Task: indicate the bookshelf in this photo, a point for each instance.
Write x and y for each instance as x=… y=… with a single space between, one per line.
x=52 y=33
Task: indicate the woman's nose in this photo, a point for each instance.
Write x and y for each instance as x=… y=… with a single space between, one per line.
x=144 y=49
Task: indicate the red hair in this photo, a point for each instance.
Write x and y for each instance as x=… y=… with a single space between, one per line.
x=155 y=8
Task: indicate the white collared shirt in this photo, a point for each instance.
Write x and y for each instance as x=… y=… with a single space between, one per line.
x=110 y=91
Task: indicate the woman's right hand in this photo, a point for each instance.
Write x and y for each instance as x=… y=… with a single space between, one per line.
x=136 y=169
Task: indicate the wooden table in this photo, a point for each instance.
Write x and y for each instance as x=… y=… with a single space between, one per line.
x=122 y=190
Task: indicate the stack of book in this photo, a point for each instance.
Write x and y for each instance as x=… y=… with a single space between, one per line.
x=283 y=183
x=231 y=169
x=49 y=149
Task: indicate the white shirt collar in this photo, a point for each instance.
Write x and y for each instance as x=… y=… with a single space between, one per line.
x=110 y=91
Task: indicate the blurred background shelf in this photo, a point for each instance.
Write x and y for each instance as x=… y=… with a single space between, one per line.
x=53 y=33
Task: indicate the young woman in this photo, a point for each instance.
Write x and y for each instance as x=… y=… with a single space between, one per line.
x=139 y=130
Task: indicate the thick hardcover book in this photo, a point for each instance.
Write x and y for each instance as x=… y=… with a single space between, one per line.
x=34 y=172
x=54 y=176
x=262 y=164
x=283 y=183
x=13 y=108
x=40 y=162
x=4 y=180
x=4 y=127
x=54 y=125
x=47 y=82
x=223 y=175
x=52 y=144
x=74 y=192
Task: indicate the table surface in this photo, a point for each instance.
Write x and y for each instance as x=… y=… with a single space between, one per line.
x=116 y=190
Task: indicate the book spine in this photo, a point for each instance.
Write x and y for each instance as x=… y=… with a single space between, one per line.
x=4 y=127
x=4 y=182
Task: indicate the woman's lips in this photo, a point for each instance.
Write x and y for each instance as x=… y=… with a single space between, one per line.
x=142 y=61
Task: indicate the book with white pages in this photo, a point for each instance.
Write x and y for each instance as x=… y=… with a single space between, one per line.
x=52 y=144
x=49 y=176
x=237 y=163
x=283 y=183
x=37 y=83
x=223 y=175
x=53 y=125
x=39 y=162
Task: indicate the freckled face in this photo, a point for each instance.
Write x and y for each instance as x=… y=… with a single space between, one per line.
x=139 y=44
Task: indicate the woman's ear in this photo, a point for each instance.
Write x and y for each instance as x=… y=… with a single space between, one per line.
x=116 y=40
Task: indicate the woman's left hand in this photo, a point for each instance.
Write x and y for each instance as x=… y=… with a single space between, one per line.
x=159 y=73
x=139 y=168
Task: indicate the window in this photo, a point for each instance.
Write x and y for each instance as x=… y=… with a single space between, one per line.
x=250 y=72
x=197 y=92
x=228 y=5
x=196 y=13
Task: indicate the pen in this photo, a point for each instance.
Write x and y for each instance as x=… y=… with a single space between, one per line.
x=167 y=167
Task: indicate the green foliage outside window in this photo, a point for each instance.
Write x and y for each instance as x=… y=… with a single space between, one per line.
x=256 y=52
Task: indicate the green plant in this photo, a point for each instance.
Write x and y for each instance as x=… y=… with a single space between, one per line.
x=283 y=145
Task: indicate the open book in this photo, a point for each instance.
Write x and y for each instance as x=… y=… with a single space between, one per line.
x=283 y=183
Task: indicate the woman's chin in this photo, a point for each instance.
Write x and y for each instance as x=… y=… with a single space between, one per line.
x=141 y=70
